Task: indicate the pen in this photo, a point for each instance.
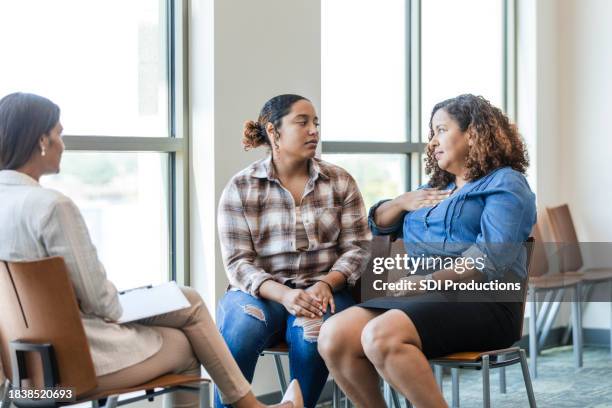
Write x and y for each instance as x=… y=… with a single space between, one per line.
x=123 y=292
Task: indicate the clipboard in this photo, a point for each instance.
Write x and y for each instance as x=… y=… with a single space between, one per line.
x=148 y=301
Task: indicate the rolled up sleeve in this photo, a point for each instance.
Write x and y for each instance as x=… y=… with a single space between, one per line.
x=396 y=229
x=507 y=219
x=236 y=244
x=355 y=238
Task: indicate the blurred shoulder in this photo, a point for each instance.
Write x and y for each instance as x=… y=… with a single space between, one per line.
x=332 y=171
x=508 y=177
x=48 y=198
x=250 y=174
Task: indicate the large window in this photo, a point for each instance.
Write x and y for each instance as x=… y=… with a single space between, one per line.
x=386 y=64
x=113 y=69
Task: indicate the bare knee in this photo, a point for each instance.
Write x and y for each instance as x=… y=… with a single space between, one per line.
x=382 y=340
x=376 y=345
x=334 y=339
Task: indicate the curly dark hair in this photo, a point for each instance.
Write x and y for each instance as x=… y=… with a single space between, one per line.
x=497 y=142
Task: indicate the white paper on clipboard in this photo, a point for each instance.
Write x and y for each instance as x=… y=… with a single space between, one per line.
x=149 y=301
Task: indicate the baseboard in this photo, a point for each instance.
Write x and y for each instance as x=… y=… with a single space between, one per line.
x=596 y=337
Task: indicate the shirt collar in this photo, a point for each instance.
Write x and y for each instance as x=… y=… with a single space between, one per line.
x=17 y=178
x=264 y=169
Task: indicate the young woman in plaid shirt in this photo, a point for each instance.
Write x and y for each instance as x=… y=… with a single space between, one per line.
x=294 y=236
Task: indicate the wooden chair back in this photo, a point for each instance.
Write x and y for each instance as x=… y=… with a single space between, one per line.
x=39 y=306
x=564 y=234
x=539 y=258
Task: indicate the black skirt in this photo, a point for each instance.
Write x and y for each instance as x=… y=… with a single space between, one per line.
x=446 y=326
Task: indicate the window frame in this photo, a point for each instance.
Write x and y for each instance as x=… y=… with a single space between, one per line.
x=412 y=148
x=176 y=145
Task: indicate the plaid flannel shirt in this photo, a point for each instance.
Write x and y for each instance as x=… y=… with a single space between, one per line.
x=257 y=227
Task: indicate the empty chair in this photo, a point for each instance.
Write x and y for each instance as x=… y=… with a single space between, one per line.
x=564 y=233
x=554 y=285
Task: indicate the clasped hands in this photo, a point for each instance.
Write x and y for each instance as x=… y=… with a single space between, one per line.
x=310 y=302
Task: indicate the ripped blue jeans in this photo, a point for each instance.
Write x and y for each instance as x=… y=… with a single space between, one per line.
x=249 y=325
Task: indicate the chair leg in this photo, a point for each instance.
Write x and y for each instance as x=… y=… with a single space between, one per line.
x=586 y=293
x=395 y=398
x=486 y=387
x=533 y=335
x=611 y=319
x=577 y=326
x=550 y=319
x=455 y=387
x=282 y=380
x=388 y=394
x=545 y=306
x=438 y=370
x=527 y=379
x=111 y=401
x=502 y=375
x=335 y=395
x=204 y=395
x=347 y=402
x=4 y=399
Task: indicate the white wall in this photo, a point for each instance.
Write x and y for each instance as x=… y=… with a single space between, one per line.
x=585 y=99
x=565 y=90
x=585 y=110
x=242 y=53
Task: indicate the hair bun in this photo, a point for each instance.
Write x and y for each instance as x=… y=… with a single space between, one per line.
x=253 y=135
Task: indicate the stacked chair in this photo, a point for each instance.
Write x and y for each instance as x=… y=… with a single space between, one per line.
x=564 y=233
x=553 y=284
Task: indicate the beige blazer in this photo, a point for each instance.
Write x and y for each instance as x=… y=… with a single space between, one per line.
x=37 y=222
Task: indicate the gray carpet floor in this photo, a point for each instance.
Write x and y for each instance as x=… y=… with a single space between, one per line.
x=559 y=384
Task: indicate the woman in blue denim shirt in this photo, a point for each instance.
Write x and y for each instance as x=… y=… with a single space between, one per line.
x=477 y=205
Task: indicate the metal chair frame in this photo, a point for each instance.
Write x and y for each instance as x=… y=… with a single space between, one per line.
x=541 y=323
x=282 y=378
x=487 y=360
x=112 y=401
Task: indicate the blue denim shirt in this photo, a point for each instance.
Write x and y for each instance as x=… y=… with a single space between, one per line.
x=489 y=217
